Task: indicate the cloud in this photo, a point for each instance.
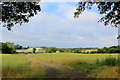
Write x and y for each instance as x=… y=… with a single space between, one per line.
x=61 y=29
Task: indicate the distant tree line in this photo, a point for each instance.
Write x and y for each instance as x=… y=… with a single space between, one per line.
x=10 y=48
x=65 y=50
x=113 y=49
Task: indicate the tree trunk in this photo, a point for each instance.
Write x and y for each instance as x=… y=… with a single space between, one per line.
x=118 y=35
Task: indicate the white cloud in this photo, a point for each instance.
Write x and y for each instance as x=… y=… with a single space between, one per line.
x=51 y=29
x=43 y=5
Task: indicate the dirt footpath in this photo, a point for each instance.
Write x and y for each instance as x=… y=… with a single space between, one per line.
x=56 y=71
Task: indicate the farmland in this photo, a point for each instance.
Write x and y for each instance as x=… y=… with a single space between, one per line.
x=36 y=65
x=85 y=63
x=18 y=66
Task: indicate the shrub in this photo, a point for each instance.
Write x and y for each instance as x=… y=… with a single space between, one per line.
x=110 y=61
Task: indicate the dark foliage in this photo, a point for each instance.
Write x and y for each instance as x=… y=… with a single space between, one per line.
x=113 y=49
x=110 y=61
x=110 y=9
x=8 y=48
x=18 y=12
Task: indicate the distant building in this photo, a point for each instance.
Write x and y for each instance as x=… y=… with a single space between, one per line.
x=57 y=51
x=39 y=50
x=30 y=50
x=21 y=50
x=88 y=50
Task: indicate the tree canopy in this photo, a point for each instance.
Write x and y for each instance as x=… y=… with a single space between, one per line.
x=111 y=10
x=18 y=12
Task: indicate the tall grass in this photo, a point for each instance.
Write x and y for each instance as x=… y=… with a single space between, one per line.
x=110 y=61
x=18 y=66
x=13 y=65
x=86 y=63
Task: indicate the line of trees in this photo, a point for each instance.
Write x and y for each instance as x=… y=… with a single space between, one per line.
x=10 y=48
x=66 y=50
x=113 y=49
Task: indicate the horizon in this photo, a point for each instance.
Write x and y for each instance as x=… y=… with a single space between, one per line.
x=57 y=47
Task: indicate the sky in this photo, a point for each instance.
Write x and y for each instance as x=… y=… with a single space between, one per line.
x=55 y=26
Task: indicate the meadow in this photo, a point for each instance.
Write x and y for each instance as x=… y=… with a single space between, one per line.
x=90 y=64
x=19 y=66
x=22 y=66
x=61 y=58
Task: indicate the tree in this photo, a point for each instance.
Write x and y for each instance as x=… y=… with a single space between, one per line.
x=105 y=49
x=34 y=49
x=118 y=49
x=99 y=51
x=10 y=44
x=112 y=50
x=18 y=46
x=28 y=47
x=18 y=12
x=44 y=47
x=110 y=9
x=52 y=49
x=7 y=48
x=24 y=48
x=61 y=50
x=78 y=50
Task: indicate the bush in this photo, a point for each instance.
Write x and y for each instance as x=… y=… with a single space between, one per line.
x=113 y=49
x=110 y=61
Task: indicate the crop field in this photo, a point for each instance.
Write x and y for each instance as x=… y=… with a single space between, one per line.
x=32 y=65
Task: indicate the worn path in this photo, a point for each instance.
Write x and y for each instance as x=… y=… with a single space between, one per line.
x=56 y=71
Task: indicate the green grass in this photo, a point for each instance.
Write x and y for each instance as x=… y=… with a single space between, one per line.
x=88 y=58
x=22 y=67
x=110 y=61
x=86 y=63
x=17 y=63
x=18 y=66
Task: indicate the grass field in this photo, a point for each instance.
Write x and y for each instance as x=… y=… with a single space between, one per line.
x=61 y=58
x=86 y=63
x=18 y=66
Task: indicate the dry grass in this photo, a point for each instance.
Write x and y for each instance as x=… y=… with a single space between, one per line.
x=61 y=58
x=108 y=72
x=13 y=65
x=81 y=62
x=63 y=61
x=18 y=66
x=37 y=70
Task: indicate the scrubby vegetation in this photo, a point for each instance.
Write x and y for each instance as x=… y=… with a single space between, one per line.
x=110 y=61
